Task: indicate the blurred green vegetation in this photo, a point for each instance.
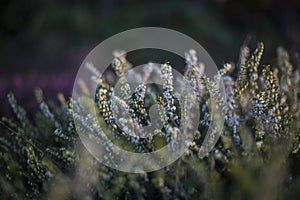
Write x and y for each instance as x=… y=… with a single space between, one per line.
x=55 y=35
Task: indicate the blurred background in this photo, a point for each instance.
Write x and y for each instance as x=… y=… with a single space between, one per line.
x=42 y=43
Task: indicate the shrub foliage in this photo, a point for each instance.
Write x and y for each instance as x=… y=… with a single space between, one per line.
x=257 y=156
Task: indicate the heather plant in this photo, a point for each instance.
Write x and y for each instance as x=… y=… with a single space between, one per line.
x=256 y=157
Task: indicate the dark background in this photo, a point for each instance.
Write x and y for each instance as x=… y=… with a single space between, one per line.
x=42 y=43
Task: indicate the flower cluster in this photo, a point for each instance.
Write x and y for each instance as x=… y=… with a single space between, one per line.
x=260 y=106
